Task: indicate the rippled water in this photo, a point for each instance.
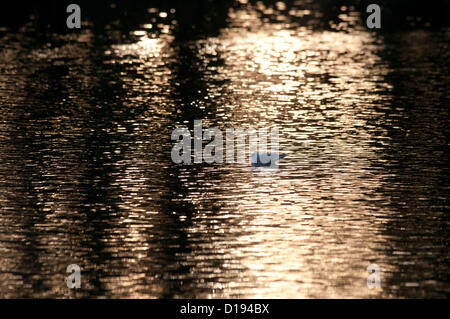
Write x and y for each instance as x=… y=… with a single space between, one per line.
x=86 y=175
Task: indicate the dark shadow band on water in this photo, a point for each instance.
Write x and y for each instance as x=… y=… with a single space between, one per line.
x=204 y=17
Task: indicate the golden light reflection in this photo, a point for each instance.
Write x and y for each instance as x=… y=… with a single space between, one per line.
x=296 y=228
x=290 y=234
x=90 y=178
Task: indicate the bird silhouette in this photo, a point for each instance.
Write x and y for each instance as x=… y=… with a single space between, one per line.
x=266 y=159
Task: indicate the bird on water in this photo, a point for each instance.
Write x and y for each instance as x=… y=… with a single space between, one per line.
x=266 y=159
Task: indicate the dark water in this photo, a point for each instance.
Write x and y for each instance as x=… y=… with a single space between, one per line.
x=86 y=175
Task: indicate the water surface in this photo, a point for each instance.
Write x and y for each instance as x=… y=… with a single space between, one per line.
x=86 y=175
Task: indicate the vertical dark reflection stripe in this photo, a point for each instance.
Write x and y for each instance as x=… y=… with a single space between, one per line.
x=416 y=161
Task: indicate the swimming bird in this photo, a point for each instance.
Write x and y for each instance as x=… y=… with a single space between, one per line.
x=265 y=159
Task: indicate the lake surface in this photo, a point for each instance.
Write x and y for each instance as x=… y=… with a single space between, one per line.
x=86 y=175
